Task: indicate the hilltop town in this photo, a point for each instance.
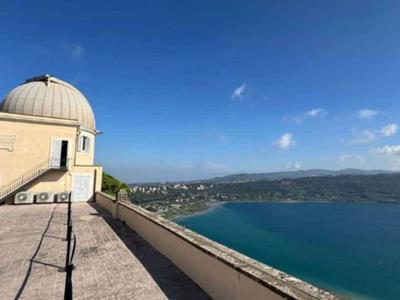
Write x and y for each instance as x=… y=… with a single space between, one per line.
x=171 y=200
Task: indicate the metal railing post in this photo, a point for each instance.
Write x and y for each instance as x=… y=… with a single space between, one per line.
x=68 y=261
x=69 y=222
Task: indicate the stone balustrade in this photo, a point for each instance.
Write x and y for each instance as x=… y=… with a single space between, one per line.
x=220 y=271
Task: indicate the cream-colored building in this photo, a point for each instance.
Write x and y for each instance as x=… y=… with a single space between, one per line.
x=47 y=141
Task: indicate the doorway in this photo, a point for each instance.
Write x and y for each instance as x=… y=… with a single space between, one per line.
x=59 y=153
x=64 y=154
x=81 y=187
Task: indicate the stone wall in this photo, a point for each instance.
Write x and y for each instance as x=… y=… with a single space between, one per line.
x=220 y=271
x=105 y=200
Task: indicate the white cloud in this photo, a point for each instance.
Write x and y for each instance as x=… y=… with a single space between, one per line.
x=367 y=113
x=359 y=157
x=344 y=157
x=312 y=113
x=74 y=50
x=350 y=157
x=238 y=92
x=391 y=154
x=285 y=141
x=393 y=150
x=296 y=165
x=365 y=137
x=389 y=129
x=368 y=136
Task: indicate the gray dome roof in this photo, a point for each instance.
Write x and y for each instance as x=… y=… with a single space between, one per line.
x=47 y=96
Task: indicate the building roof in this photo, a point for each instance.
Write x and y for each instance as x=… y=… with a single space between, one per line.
x=47 y=96
x=111 y=261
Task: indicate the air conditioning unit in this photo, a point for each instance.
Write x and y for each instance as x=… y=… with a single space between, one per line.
x=63 y=197
x=44 y=197
x=23 y=198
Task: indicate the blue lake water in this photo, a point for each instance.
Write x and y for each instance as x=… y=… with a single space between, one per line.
x=350 y=249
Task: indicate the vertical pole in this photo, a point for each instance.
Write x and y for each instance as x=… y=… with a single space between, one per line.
x=69 y=231
x=94 y=185
x=69 y=223
x=68 y=264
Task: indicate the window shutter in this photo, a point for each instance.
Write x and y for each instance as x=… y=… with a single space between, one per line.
x=87 y=144
x=80 y=143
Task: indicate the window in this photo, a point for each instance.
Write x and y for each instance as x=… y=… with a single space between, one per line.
x=84 y=144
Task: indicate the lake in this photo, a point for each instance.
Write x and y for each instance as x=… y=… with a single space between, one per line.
x=350 y=249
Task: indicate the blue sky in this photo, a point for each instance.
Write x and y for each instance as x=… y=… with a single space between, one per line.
x=194 y=89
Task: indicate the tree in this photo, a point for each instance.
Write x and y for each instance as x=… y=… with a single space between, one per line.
x=111 y=185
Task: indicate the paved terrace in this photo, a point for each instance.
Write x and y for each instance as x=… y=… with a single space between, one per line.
x=112 y=262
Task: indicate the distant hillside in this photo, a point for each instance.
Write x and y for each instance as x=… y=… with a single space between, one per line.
x=381 y=187
x=292 y=174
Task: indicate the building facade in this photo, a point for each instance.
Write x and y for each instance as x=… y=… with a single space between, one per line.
x=47 y=141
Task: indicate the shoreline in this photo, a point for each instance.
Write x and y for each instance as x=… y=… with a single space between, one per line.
x=213 y=205
x=210 y=207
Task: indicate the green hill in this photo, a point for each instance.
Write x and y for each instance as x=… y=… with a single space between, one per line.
x=293 y=174
x=381 y=187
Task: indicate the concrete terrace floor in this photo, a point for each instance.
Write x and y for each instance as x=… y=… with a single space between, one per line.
x=111 y=261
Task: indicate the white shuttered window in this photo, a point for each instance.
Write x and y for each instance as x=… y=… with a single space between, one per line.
x=84 y=144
